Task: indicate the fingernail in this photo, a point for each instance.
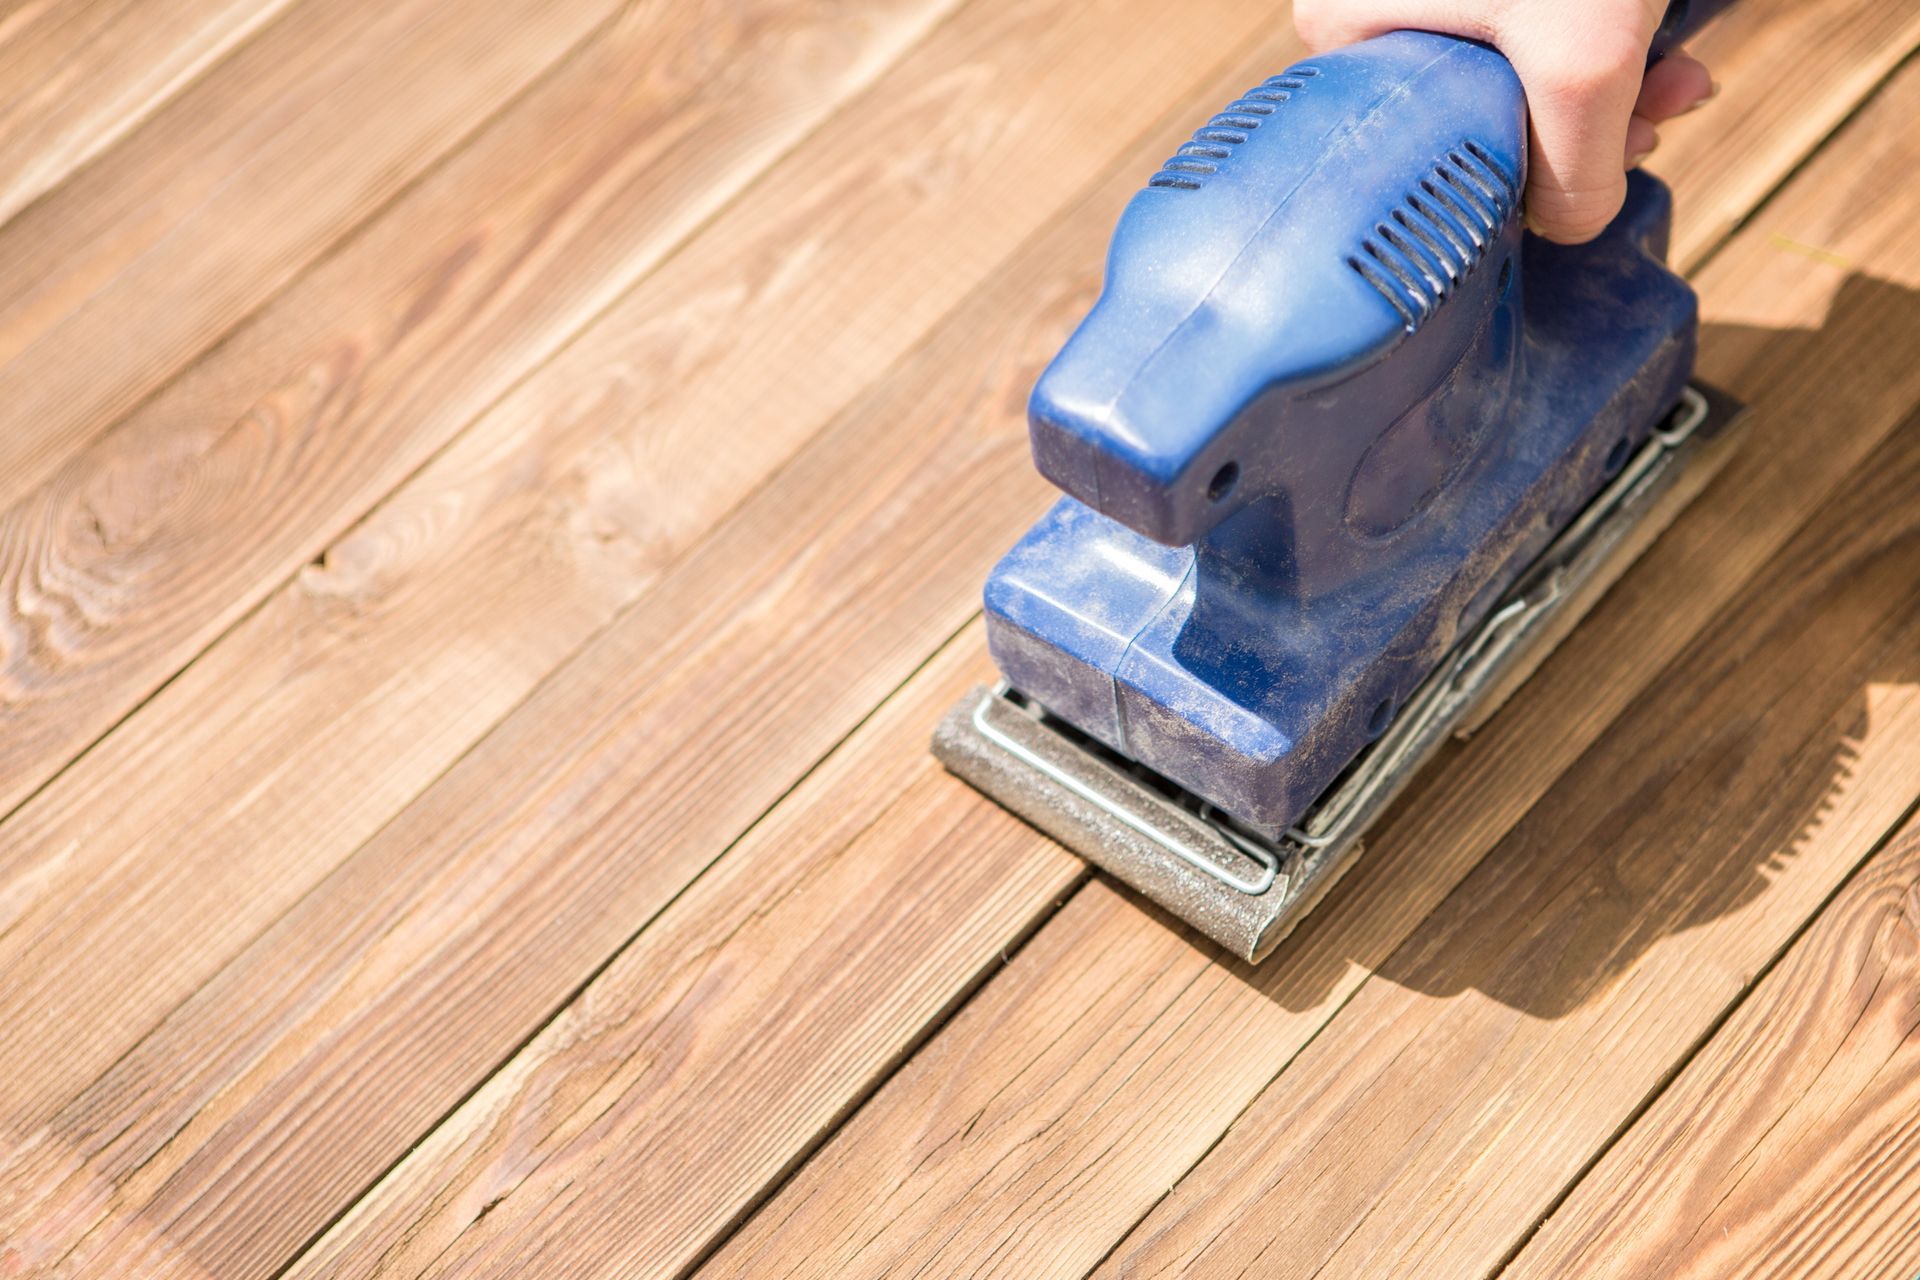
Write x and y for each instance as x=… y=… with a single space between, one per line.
x=1635 y=158
x=1713 y=91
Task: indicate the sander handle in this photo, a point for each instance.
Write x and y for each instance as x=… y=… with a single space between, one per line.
x=1337 y=252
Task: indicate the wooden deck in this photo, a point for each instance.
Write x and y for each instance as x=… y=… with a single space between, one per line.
x=493 y=499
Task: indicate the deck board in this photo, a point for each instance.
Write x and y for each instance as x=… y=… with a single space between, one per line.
x=1789 y=72
x=655 y=1109
x=468 y=678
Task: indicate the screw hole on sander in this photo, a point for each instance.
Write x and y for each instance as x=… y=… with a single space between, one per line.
x=1382 y=717
x=1618 y=455
x=1223 y=481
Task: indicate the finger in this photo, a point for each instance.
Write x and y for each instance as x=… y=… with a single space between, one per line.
x=1642 y=138
x=1581 y=88
x=1674 y=86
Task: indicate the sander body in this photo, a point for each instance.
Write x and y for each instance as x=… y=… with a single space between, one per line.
x=1345 y=451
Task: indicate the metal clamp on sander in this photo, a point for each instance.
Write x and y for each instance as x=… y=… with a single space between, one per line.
x=1347 y=451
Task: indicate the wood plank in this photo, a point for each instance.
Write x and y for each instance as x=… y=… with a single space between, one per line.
x=1443 y=1112
x=76 y=76
x=1111 y=1111
x=1727 y=158
x=136 y=264
x=175 y=524
x=365 y=675
x=463 y=1191
x=1787 y=1147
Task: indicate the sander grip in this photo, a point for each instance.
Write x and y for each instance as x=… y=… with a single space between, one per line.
x=1298 y=278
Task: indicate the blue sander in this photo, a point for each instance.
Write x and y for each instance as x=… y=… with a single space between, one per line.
x=1346 y=451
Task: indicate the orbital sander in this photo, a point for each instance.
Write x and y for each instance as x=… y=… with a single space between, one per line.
x=1346 y=451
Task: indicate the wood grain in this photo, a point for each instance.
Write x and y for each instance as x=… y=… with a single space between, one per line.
x=1787 y=1147
x=157 y=538
x=140 y=261
x=76 y=76
x=366 y=675
x=1112 y=1111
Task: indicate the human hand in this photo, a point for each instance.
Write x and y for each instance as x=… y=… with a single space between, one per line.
x=1594 y=101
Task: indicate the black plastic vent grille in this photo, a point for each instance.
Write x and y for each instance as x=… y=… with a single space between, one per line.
x=1432 y=240
x=1214 y=144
